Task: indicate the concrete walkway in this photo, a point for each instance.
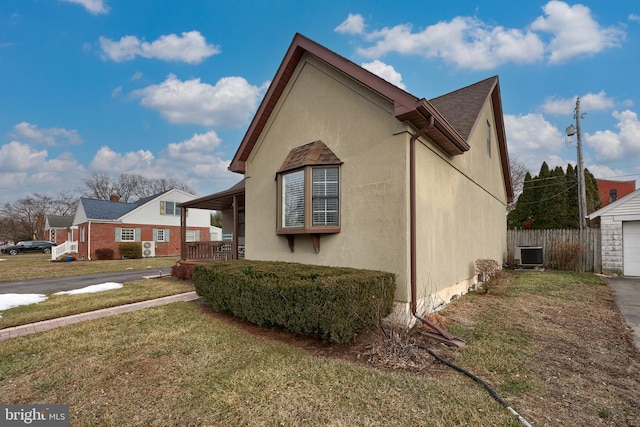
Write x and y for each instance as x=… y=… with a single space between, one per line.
x=627 y=295
x=18 y=331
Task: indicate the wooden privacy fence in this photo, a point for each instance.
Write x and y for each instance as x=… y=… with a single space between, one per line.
x=589 y=261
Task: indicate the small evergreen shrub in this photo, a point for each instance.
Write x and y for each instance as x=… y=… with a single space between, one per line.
x=182 y=271
x=104 y=253
x=130 y=250
x=331 y=303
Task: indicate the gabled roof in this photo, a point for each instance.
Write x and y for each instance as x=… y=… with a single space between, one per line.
x=109 y=210
x=105 y=209
x=614 y=205
x=454 y=115
x=59 y=221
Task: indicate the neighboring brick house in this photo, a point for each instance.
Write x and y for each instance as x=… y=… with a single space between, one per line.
x=59 y=228
x=153 y=221
x=610 y=191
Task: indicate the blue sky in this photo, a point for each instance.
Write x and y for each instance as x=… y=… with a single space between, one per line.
x=168 y=88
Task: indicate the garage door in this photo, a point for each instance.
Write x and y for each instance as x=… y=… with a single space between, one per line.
x=631 y=247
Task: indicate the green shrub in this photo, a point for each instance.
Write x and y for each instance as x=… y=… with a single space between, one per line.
x=104 y=253
x=327 y=302
x=130 y=250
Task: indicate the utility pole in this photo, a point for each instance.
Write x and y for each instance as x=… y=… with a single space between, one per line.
x=582 y=190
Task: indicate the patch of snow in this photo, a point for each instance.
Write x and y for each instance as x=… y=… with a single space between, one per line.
x=8 y=301
x=93 y=288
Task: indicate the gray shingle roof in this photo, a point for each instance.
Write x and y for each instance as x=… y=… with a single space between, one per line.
x=105 y=209
x=108 y=210
x=60 y=221
x=462 y=107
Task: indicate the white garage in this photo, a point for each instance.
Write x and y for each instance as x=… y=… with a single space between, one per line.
x=631 y=248
x=620 y=228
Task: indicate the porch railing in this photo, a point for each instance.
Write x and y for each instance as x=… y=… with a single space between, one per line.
x=64 y=248
x=210 y=251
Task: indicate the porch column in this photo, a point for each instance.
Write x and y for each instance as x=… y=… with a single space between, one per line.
x=235 y=227
x=183 y=233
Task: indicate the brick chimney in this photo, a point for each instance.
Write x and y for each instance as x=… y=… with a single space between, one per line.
x=114 y=198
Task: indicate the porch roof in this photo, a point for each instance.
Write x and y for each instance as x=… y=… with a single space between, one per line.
x=218 y=201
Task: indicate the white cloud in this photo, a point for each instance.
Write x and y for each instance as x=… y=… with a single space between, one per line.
x=634 y=17
x=625 y=144
x=94 y=7
x=51 y=136
x=534 y=140
x=108 y=160
x=190 y=47
x=385 y=71
x=24 y=170
x=574 y=30
x=473 y=44
x=197 y=155
x=354 y=24
x=588 y=102
x=16 y=156
x=230 y=103
x=464 y=41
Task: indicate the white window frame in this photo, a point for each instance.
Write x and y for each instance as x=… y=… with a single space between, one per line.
x=128 y=232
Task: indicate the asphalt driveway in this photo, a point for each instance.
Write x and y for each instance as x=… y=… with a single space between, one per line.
x=57 y=284
x=627 y=296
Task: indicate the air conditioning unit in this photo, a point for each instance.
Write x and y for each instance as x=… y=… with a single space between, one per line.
x=148 y=249
x=529 y=256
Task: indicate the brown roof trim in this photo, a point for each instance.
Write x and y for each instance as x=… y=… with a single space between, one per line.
x=217 y=201
x=502 y=139
x=405 y=105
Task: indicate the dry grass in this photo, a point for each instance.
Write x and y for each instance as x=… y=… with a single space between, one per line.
x=66 y=305
x=38 y=266
x=552 y=344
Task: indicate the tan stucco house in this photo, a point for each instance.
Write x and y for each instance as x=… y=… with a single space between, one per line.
x=342 y=168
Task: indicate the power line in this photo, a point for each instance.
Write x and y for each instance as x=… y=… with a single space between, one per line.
x=552 y=197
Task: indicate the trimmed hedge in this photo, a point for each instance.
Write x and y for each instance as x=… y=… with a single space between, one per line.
x=332 y=303
x=104 y=253
x=130 y=250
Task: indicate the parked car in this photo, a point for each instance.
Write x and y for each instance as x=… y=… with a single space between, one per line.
x=29 y=246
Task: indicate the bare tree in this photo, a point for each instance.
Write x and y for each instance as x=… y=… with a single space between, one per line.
x=129 y=186
x=518 y=172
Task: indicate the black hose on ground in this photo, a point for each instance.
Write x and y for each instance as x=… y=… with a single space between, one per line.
x=486 y=386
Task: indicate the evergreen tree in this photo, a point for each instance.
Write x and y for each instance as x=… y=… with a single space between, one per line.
x=557 y=204
x=524 y=205
x=593 y=195
x=542 y=212
x=573 y=210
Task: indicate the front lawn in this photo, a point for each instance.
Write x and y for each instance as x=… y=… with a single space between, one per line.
x=551 y=344
x=39 y=266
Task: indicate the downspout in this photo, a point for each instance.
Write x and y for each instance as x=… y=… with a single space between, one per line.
x=89 y=241
x=413 y=215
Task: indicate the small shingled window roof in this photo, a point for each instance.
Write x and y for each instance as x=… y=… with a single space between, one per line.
x=312 y=154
